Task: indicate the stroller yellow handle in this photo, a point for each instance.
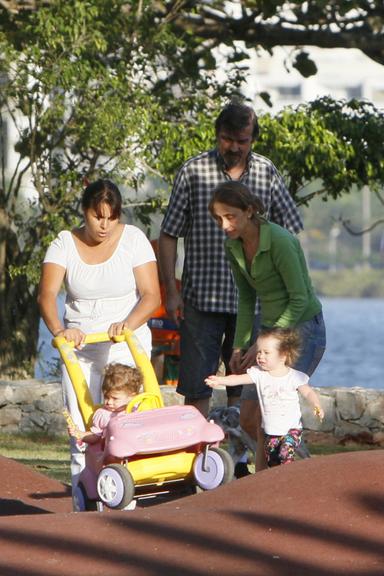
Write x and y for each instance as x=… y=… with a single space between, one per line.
x=76 y=375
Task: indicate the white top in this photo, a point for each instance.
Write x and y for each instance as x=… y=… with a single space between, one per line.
x=101 y=294
x=279 y=399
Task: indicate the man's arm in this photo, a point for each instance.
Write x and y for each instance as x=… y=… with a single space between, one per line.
x=167 y=263
x=283 y=208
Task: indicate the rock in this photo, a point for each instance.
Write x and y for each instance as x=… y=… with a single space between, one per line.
x=378 y=438
x=351 y=404
x=9 y=415
x=350 y=413
x=53 y=402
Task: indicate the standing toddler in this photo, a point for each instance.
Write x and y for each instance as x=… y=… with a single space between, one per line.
x=278 y=387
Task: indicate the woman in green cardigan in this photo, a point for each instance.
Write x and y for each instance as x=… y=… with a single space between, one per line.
x=268 y=263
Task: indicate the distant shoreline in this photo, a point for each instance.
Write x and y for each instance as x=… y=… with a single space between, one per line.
x=349 y=283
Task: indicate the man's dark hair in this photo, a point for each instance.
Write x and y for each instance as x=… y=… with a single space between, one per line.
x=236 y=116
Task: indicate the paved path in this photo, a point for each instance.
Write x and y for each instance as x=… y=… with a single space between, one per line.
x=318 y=517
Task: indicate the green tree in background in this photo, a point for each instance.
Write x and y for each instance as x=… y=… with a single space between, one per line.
x=84 y=86
x=258 y=24
x=266 y=24
x=118 y=89
x=334 y=143
x=322 y=148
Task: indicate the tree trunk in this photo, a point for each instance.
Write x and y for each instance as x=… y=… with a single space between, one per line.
x=19 y=315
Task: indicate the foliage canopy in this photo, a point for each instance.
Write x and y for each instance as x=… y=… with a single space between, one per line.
x=265 y=24
x=126 y=89
x=249 y=24
x=85 y=84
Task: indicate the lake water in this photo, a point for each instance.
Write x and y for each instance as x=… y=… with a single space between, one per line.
x=355 y=345
x=355 y=338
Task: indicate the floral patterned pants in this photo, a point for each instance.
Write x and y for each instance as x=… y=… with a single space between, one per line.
x=281 y=449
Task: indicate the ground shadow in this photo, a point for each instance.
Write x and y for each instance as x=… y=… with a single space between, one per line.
x=13 y=507
x=232 y=555
x=64 y=493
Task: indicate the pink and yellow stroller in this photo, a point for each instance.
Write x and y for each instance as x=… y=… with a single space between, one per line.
x=155 y=449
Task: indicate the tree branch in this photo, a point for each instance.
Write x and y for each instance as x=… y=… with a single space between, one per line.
x=347 y=226
x=354 y=31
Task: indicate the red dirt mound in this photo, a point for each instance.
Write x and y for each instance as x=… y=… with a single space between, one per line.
x=316 y=517
x=23 y=491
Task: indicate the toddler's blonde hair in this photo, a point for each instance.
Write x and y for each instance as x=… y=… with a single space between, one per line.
x=289 y=342
x=119 y=377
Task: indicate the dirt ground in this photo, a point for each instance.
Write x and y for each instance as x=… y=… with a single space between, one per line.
x=317 y=517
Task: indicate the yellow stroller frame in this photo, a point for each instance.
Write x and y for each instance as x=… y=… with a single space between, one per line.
x=156 y=469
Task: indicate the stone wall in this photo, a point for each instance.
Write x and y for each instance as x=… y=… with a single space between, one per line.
x=33 y=405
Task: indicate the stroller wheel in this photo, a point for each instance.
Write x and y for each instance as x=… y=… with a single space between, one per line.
x=115 y=486
x=218 y=468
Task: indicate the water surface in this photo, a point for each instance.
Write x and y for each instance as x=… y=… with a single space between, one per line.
x=355 y=345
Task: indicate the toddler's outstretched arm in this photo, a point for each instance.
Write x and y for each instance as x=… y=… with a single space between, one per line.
x=231 y=380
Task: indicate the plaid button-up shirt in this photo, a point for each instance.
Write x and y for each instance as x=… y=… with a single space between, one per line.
x=207 y=282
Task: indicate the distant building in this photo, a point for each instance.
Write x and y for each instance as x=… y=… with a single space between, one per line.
x=342 y=74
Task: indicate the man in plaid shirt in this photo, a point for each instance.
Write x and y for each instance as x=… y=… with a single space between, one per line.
x=206 y=308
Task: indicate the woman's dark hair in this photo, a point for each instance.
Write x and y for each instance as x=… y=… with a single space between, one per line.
x=102 y=192
x=236 y=195
x=236 y=116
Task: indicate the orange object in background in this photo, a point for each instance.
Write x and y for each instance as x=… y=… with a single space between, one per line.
x=164 y=331
x=165 y=341
x=165 y=346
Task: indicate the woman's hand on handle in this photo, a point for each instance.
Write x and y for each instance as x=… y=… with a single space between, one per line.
x=72 y=335
x=116 y=329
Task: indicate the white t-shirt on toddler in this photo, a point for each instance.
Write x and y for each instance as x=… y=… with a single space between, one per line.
x=279 y=399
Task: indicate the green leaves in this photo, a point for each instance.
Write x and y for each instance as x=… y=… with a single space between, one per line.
x=335 y=143
x=304 y=64
x=126 y=89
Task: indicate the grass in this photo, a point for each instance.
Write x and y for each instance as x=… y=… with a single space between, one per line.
x=49 y=455
x=326 y=449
